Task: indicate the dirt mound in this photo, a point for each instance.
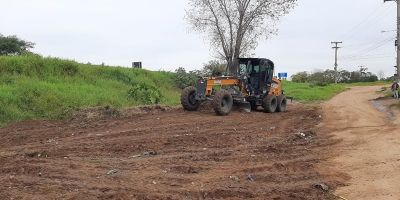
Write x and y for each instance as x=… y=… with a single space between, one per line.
x=107 y=112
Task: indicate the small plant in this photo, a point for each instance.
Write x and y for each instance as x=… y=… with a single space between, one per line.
x=144 y=93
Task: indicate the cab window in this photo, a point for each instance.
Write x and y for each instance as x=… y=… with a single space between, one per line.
x=242 y=68
x=256 y=69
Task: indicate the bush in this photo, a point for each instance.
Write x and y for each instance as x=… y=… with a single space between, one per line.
x=69 y=68
x=184 y=79
x=326 y=77
x=145 y=94
x=300 y=77
x=214 y=68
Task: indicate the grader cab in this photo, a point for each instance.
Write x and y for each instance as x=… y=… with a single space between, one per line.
x=252 y=87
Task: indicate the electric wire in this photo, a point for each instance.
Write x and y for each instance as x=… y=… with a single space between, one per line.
x=371 y=48
x=371 y=18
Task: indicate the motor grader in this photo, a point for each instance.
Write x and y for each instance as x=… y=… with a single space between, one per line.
x=252 y=87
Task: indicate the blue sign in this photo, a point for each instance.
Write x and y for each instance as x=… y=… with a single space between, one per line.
x=283 y=75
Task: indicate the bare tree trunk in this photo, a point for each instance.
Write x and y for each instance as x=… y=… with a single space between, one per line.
x=230 y=66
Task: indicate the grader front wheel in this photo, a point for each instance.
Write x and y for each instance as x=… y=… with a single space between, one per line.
x=223 y=103
x=282 y=103
x=188 y=99
x=270 y=103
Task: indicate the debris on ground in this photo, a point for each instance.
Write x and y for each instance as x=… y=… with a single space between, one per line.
x=112 y=172
x=382 y=89
x=150 y=153
x=250 y=178
x=235 y=178
x=136 y=156
x=307 y=135
x=322 y=186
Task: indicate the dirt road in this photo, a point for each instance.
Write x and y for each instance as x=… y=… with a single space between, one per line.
x=165 y=155
x=370 y=149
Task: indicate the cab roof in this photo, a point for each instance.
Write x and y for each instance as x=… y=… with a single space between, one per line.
x=257 y=60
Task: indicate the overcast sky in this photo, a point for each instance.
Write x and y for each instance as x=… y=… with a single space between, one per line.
x=118 y=32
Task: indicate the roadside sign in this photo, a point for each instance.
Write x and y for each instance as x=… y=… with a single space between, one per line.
x=283 y=75
x=137 y=65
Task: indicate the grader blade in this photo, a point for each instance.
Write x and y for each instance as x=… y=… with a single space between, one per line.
x=245 y=106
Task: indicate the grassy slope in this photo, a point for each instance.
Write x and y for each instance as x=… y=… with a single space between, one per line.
x=32 y=87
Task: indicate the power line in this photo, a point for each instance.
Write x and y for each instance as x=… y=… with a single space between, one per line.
x=371 y=18
x=360 y=46
x=374 y=22
x=371 y=48
x=370 y=58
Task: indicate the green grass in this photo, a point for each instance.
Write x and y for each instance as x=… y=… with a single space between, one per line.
x=32 y=87
x=377 y=83
x=305 y=92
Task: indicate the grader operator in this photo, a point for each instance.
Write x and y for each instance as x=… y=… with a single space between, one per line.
x=252 y=87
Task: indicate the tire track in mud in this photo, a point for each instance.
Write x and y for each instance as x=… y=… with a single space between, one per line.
x=169 y=154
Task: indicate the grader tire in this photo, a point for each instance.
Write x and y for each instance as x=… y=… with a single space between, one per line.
x=223 y=103
x=188 y=100
x=270 y=103
x=282 y=104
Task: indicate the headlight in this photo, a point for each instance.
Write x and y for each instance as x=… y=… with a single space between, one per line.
x=264 y=90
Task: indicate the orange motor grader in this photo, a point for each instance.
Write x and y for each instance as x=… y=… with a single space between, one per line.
x=251 y=88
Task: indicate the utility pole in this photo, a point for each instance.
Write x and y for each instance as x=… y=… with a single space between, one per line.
x=398 y=38
x=336 y=47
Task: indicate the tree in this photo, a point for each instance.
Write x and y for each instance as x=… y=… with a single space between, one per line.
x=363 y=71
x=381 y=75
x=184 y=79
x=11 y=45
x=300 y=77
x=235 y=26
x=344 y=76
x=214 y=68
x=328 y=76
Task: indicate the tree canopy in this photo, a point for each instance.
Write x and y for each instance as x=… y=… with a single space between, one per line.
x=234 y=27
x=12 y=45
x=328 y=76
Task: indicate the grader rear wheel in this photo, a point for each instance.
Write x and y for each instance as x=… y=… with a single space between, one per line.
x=223 y=103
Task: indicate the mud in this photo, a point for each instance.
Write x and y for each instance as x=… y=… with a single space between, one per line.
x=167 y=154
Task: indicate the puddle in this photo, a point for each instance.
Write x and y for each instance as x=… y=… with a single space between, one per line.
x=384 y=109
